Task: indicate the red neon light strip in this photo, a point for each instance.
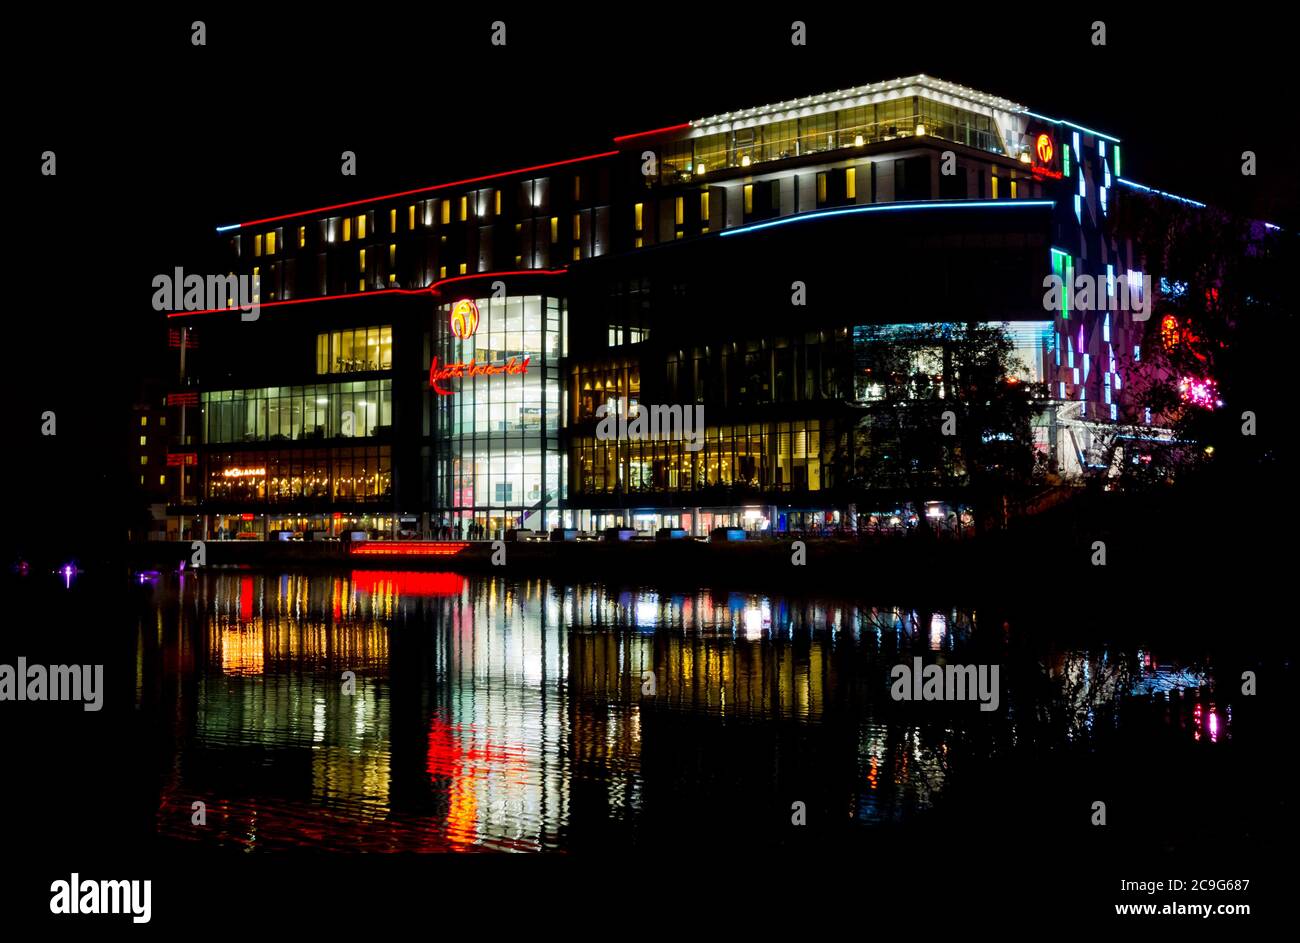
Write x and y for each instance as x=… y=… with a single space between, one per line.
x=436 y=186
x=408 y=548
x=431 y=288
x=642 y=134
x=435 y=286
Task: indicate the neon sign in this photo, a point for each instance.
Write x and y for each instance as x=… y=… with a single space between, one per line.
x=243 y=473
x=461 y=370
x=464 y=319
x=1044 y=148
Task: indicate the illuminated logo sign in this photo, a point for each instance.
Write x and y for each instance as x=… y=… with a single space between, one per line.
x=459 y=371
x=1044 y=148
x=1044 y=155
x=243 y=473
x=464 y=319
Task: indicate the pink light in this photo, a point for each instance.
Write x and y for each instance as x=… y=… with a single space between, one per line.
x=1199 y=392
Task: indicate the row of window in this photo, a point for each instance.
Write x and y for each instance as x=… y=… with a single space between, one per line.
x=760 y=456
x=324 y=474
x=293 y=413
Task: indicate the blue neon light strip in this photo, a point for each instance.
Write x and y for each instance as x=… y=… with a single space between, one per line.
x=887 y=207
x=1071 y=124
x=1169 y=196
x=228 y=228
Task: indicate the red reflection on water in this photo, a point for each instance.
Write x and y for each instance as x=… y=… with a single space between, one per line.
x=408 y=583
x=245 y=599
x=454 y=755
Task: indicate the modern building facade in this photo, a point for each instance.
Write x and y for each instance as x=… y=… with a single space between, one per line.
x=440 y=357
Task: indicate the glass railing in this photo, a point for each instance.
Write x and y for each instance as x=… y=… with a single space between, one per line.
x=825 y=142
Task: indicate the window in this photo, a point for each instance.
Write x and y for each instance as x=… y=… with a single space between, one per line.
x=144 y=420
x=851 y=183
x=162 y=479
x=351 y=351
x=555 y=229
x=362 y=256
x=639 y=217
x=679 y=211
x=257 y=244
x=302 y=236
x=821 y=187
x=144 y=440
x=994 y=181
x=704 y=206
x=392 y=255
x=464 y=208
x=577 y=226
x=749 y=198
x=347 y=228
x=446 y=212
x=410 y=216
x=270 y=242
x=144 y=460
x=496 y=203
x=361 y=226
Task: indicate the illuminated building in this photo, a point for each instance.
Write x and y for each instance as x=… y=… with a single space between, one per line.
x=462 y=335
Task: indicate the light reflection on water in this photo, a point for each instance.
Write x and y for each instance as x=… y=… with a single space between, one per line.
x=486 y=714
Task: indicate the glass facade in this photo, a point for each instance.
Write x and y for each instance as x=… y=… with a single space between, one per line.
x=360 y=409
x=828 y=131
x=498 y=405
x=354 y=351
x=758 y=457
x=342 y=475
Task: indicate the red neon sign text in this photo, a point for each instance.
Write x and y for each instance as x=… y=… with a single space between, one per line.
x=460 y=370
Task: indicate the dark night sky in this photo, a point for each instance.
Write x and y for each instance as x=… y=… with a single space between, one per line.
x=158 y=142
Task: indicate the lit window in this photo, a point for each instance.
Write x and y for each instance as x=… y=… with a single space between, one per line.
x=639 y=215
x=749 y=198
x=442 y=271
x=142 y=479
x=821 y=187
x=392 y=220
x=577 y=188
x=270 y=243
x=144 y=440
x=1013 y=189
x=851 y=183
x=361 y=285
x=302 y=236
x=577 y=225
x=361 y=226
x=347 y=228
x=704 y=206
x=162 y=420
x=362 y=256
x=257 y=244
x=446 y=212
x=640 y=242
x=162 y=479
x=144 y=459
x=555 y=229
x=680 y=210
x=144 y=420
x=392 y=254
x=410 y=216
x=462 y=268
x=496 y=203
x=464 y=208
x=392 y=278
